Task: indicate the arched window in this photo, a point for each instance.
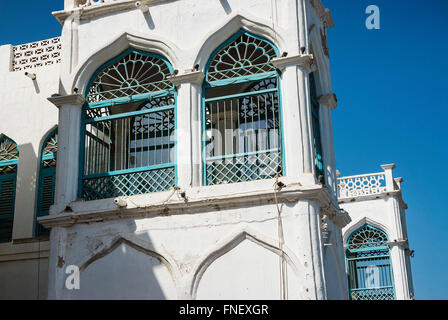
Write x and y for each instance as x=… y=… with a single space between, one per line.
x=9 y=159
x=369 y=265
x=47 y=180
x=317 y=139
x=128 y=128
x=242 y=112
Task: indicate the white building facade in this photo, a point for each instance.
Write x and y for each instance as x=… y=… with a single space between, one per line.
x=190 y=156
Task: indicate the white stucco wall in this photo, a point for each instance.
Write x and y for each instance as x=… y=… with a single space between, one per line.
x=188 y=252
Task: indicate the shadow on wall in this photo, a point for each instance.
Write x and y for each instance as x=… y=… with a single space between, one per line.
x=26 y=186
x=123 y=266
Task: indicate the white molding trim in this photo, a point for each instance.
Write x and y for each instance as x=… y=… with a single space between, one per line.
x=194 y=77
x=71 y=99
x=305 y=61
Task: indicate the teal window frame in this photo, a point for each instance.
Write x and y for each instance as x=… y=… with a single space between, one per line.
x=317 y=136
x=46 y=192
x=271 y=73
x=7 y=206
x=370 y=257
x=128 y=181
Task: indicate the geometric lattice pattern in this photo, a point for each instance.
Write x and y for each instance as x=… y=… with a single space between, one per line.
x=128 y=184
x=373 y=294
x=244 y=168
x=369 y=265
x=244 y=56
x=37 y=54
x=8 y=150
x=9 y=155
x=49 y=151
x=367 y=237
x=361 y=185
x=133 y=74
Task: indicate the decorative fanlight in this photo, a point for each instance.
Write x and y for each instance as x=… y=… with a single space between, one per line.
x=8 y=150
x=244 y=56
x=133 y=74
x=367 y=237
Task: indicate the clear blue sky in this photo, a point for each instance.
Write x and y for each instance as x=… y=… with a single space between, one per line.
x=391 y=86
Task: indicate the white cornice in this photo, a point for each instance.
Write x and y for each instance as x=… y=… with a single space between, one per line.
x=200 y=199
x=72 y=99
x=305 y=61
x=194 y=77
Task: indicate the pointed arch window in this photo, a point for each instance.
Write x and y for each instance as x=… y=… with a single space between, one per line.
x=128 y=129
x=242 y=124
x=9 y=158
x=317 y=138
x=369 y=265
x=47 y=180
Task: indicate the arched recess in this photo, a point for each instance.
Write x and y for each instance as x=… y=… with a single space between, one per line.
x=235 y=23
x=9 y=159
x=125 y=41
x=139 y=269
x=47 y=179
x=293 y=280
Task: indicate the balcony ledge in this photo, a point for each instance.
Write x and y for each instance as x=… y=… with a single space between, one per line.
x=199 y=199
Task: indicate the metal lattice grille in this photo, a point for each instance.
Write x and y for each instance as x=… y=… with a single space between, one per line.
x=373 y=294
x=369 y=265
x=244 y=168
x=243 y=133
x=129 y=184
x=244 y=56
x=129 y=129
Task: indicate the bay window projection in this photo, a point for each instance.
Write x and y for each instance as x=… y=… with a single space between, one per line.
x=128 y=127
x=47 y=180
x=369 y=265
x=242 y=113
x=9 y=159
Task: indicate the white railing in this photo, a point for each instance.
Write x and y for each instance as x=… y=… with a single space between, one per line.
x=362 y=185
x=37 y=54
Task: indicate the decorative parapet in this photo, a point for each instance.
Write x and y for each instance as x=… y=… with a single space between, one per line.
x=362 y=185
x=369 y=184
x=37 y=54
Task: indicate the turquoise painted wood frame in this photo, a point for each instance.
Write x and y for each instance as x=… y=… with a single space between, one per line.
x=118 y=102
x=208 y=83
x=46 y=184
x=8 y=183
x=370 y=254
